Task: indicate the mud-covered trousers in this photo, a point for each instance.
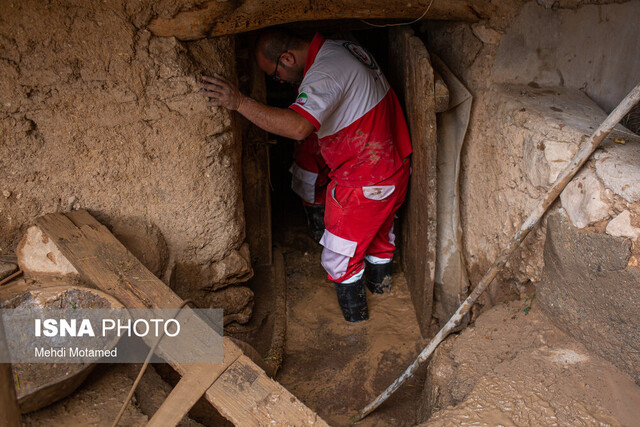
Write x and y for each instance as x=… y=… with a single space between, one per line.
x=359 y=223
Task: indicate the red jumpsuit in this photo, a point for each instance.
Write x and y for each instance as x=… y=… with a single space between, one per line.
x=365 y=142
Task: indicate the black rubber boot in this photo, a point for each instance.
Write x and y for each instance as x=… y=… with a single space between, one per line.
x=352 y=298
x=378 y=277
x=315 y=221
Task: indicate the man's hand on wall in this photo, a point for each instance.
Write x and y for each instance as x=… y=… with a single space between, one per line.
x=221 y=92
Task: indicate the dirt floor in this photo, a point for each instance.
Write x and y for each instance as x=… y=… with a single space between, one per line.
x=96 y=403
x=333 y=366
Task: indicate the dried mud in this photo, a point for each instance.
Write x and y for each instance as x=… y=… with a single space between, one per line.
x=513 y=368
x=97 y=113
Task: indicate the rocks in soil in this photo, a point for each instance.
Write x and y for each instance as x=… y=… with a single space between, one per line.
x=236 y=301
x=617 y=166
x=234 y=268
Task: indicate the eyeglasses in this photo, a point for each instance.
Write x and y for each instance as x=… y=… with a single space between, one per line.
x=275 y=76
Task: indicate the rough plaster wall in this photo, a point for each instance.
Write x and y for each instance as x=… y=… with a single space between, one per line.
x=96 y=113
x=594 y=48
x=495 y=190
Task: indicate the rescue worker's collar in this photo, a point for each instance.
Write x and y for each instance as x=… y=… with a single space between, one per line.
x=314 y=47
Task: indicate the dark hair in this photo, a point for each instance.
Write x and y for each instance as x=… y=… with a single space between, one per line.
x=274 y=42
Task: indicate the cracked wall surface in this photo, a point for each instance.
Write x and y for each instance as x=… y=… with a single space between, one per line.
x=96 y=113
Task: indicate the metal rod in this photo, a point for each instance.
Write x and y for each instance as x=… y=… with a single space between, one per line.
x=578 y=161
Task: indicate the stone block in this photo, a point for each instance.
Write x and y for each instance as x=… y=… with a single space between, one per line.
x=234 y=268
x=589 y=290
x=584 y=200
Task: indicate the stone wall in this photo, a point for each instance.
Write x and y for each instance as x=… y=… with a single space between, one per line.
x=534 y=94
x=96 y=113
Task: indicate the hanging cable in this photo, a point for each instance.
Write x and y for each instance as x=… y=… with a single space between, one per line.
x=401 y=23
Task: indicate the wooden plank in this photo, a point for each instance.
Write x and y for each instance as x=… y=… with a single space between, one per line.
x=413 y=69
x=102 y=260
x=183 y=396
x=259 y=401
x=256 y=192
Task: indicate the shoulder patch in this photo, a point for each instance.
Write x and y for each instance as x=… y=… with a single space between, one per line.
x=361 y=54
x=302 y=99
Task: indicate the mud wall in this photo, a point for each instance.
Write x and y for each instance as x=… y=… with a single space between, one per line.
x=556 y=51
x=96 y=113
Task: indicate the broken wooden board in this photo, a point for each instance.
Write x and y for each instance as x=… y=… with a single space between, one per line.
x=105 y=263
x=415 y=82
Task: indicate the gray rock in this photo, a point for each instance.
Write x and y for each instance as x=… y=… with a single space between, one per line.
x=589 y=291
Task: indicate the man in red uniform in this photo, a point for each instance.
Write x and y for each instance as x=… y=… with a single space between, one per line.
x=364 y=140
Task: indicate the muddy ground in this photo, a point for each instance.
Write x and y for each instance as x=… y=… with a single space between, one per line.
x=336 y=367
x=513 y=367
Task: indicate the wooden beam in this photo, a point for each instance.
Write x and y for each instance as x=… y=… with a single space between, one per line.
x=413 y=71
x=183 y=396
x=217 y=18
x=105 y=263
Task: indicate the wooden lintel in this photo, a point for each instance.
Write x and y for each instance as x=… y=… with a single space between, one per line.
x=218 y=18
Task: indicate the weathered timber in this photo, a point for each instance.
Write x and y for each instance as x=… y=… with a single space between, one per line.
x=105 y=263
x=256 y=193
x=9 y=410
x=41 y=384
x=183 y=396
x=217 y=18
x=415 y=81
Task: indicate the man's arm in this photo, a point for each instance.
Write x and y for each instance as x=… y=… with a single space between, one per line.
x=280 y=121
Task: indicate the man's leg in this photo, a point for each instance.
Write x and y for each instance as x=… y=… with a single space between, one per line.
x=378 y=261
x=353 y=217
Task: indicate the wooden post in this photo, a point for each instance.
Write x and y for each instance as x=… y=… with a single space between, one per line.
x=414 y=81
